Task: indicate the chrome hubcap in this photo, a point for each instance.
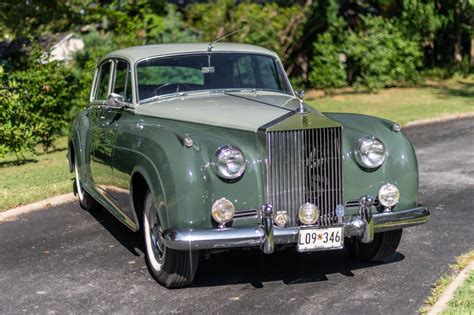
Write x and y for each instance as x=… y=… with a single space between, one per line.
x=156 y=238
x=155 y=246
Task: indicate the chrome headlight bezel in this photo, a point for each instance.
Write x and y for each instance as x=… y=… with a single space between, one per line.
x=362 y=151
x=231 y=153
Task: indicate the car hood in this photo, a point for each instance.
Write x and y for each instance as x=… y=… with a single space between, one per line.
x=242 y=111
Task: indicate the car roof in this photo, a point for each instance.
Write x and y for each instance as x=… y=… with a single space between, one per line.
x=136 y=53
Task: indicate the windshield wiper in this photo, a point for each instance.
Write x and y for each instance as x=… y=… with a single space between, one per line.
x=164 y=97
x=259 y=101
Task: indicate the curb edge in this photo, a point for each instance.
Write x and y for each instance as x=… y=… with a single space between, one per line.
x=13 y=213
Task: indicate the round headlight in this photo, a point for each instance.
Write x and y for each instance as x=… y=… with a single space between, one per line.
x=389 y=195
x=370 y=152
x=308 y=213
x=230 y=162
x=223 y=211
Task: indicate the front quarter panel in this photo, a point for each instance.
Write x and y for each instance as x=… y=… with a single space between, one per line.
x=79 y=144
x=400 y=167
x=183 y=179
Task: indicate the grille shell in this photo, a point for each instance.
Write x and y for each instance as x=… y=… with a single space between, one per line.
x=305 y=166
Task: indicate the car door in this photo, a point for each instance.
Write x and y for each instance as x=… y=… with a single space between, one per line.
x=121 y=85
x=102 y=135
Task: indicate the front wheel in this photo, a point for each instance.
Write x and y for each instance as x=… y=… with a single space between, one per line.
x=171 y=268
x=382 y=247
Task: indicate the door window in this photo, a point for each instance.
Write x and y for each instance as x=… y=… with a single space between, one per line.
x=103 y=82
x=123 y=80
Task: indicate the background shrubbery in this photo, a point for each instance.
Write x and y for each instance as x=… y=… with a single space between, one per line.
x=325 y=44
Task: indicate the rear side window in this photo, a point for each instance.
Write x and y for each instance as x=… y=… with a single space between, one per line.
x=123 y=80
x=103 y=82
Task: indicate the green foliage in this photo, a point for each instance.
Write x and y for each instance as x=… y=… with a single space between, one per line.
x=16 y=134
x=328 y=71
x=267 y=25
x=420 y=21
x=380 y=56
x=40 y=98
x=123 y=26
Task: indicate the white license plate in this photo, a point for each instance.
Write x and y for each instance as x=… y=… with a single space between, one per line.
x=320 y=239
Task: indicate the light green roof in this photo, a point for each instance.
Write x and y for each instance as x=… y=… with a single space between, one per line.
x=136 y=53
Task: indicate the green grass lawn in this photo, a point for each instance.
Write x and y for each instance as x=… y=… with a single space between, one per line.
x=434 y=99
x=40 y=177
x=46 y=175
x=463 y=300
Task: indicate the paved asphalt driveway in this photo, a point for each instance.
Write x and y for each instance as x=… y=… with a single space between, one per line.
x=65 y=260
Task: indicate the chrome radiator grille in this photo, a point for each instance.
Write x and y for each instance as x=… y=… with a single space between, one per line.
x=305 y=166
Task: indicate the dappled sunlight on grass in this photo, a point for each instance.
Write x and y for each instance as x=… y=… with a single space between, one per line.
x=434 y=99
x=36 y=178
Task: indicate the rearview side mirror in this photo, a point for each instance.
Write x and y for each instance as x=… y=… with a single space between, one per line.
x=116 y=100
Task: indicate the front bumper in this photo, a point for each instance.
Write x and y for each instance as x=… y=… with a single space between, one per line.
x=258 y=236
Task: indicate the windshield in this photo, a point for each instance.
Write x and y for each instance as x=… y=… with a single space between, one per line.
x=214 y=71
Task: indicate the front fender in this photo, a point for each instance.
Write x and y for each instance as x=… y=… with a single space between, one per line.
x=78 y=142
x=186 y=177
x=400 y=167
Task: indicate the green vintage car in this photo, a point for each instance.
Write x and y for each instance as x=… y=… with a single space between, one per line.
x=206 y=147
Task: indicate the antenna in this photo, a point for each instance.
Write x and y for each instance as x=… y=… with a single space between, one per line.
x=211 y=44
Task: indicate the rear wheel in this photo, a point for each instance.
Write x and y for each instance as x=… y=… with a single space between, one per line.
x=171 y=268
x=382 y=247
x=85 y=200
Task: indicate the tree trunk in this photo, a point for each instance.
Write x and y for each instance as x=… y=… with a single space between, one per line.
x=472 y=51
x=457 y=50
x=457 y=35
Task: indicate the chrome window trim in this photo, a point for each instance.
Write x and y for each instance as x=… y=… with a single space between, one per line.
x=129 y=73
x=96 y=83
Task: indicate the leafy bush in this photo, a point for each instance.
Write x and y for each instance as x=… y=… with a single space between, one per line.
x=380 y=56
x=328 y=71
x=42 y=94
x=16 y=135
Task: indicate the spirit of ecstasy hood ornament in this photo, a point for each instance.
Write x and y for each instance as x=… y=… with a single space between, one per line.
x=300 y=95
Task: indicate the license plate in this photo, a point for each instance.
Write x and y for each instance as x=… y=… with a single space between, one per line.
x=320 y=239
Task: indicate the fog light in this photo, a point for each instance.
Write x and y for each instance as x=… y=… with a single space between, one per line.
x=223 y=211
x=389 y=195
x=308 y=213
x=281 y=218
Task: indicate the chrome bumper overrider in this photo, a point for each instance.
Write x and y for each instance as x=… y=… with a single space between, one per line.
x=266 y=235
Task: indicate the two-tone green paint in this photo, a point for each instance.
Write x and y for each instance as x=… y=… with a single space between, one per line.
x=147 y=140
x=184 y=181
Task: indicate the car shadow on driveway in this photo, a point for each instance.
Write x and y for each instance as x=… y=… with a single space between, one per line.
x=288 y=266
x=126 y=237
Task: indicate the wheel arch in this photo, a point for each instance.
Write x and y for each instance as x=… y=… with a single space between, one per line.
x=140 y=183
x=71 y=155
